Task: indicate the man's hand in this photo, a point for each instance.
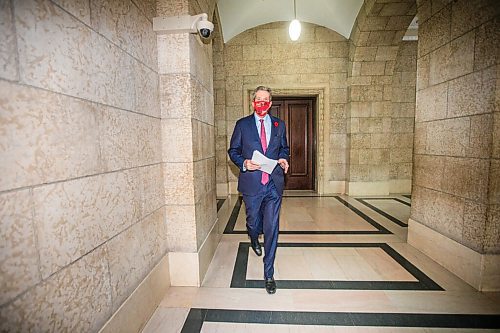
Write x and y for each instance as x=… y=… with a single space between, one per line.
x=249 y=165
x=283 y=164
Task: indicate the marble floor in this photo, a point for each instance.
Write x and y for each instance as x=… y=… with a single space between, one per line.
x=342 y=265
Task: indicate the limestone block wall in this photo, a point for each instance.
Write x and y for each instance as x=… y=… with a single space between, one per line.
x=404 y=82
x=456 y=158
x=82 y=213
x=376 y=162
x=316 y=63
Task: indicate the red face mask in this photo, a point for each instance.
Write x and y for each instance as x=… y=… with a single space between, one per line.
x=261 y=107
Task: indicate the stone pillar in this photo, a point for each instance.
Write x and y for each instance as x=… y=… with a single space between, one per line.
x=455 y=203
x=188 y=132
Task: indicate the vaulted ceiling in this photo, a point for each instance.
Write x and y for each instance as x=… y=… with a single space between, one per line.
x=237 y=16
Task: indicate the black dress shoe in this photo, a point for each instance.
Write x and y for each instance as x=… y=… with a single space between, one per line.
x=270 y=286
x=256 y=247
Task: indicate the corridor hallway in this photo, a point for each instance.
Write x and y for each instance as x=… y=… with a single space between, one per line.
x=343 y=265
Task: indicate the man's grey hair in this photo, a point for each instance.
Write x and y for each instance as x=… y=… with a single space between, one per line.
x=263 y=88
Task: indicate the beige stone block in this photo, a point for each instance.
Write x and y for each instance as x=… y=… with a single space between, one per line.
x=401 y=155
x=248 y=37
x=494 y=182
x=206 y=216
x=234 y=98
x=204 y=180
x=339 y=49
x=440 y=211
x=75 y=299
x=495 y=147
x=475 y=216
x=381 y=38
x=233 y=53
x=467 y=15
x=18 y=251
x=338 y=95
x=402 y=125
x=146 y=90
x=470 y=178
x=385 y=53
x=428 y=171
x=360 y=141
x=472 y=94
x=338 y=80
x=135 y=312
x=360 y=80
x=267 y=36
x=424 y=10
x=406 y=63
x=133 y=253
x=322 y=34
x=314 y=50
x=403 y=94
x=373 y=157
x=61 y=46
x=203 y=141
x=486 y=44
x=370 y=125
x=397 y=9
x=373 y=68
x=399 y=22
x=420 y=141
x=47 y=137
x=256 y=52
x=380 y=141
x=365 y=53
x=181 y=228
x=177 y=178
x=435 y=32
x=147 y=8
x=359 y=172
x=175 y=96
x=492 y=232
x=127 y=139
x=177 y=142
x=69 y=216
x=380 y=172
x=172 y=8
x=201 y=63
x=366 y=93
x=376 y=23
x=202 y=102
x=432 y=103
x=452 y=60
x=448 y=137
x=151 y=188
x=400 y=140
x=173 y=53
x=123 y=23
x=361 y=109
x=317 y=78
x=8 y=46
x=423 y=72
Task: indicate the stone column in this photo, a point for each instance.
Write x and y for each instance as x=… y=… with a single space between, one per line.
x=188 y=132
x=455 y=203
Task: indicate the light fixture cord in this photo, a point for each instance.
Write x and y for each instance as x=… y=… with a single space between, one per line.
x=294 y=9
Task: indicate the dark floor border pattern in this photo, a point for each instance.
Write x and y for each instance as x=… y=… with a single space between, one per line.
x=423 y=282
x=382 y=212
x=196 y=317
x=380 y=229
x=220 y=202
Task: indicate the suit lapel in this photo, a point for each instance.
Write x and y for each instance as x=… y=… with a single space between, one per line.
x=274 y=131
x=253 y=129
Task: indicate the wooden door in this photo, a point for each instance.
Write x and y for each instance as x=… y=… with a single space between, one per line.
x=298 y=115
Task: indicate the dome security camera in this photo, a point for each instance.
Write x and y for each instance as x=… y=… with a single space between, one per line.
x=205 y=28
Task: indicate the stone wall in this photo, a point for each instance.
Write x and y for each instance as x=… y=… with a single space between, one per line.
x=315 y=65
x=404 y=81
x=456 y=86
x=82 y=213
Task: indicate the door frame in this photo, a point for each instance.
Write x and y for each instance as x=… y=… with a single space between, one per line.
x=321 y=94
x=314 y=136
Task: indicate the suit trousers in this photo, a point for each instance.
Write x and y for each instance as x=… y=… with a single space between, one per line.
x=263 y=210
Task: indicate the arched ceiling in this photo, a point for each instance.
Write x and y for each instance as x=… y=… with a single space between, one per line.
x=237 y=16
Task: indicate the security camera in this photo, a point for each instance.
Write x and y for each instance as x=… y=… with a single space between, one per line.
x=205 y=28
x=181 y=24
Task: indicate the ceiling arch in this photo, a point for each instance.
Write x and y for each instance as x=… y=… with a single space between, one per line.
x=237 y=16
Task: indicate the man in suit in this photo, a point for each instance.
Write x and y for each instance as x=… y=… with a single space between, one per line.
x=262 y=192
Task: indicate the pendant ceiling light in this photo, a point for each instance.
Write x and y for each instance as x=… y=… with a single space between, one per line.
x=294 y=28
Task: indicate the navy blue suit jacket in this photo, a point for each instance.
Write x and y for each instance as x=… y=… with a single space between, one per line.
x=245 y=140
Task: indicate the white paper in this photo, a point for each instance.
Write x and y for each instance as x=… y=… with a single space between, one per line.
x=266 y=164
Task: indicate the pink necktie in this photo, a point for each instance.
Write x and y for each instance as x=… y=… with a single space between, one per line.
x=263 y=142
